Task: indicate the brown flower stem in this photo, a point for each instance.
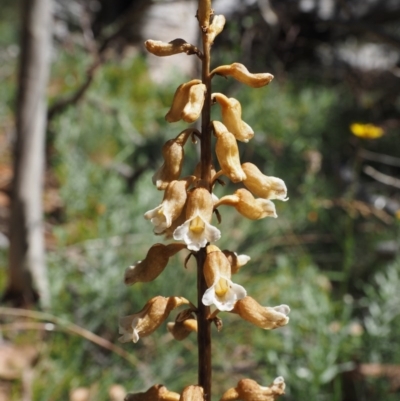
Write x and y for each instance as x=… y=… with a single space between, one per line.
x=204 y=325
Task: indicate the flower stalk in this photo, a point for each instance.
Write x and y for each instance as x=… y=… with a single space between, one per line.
x=185 y=215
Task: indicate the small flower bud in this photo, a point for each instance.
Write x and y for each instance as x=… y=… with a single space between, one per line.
x=173 y=154
x=196 y=231
x=171 y=207
x=176 y=46
x=153 y=265
x=192 y=110
x=181 y=98
x=243 y=201
x=228 y=153
x=264 y=317
x=204 y=13
x=250 y=390
x=158 y=392
x=192 y=393
x=241 y=73
x=231 y=111
x=216 y=27
x=236 y=261
x=180 y=330
x=262 y=185
x=153 y=314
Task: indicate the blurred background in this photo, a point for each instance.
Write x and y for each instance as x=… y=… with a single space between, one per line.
x=328 y=125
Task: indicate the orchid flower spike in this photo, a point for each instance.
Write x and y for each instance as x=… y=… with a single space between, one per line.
x=221 y=292
x=241 y=74
x=236 y=261
x=216 y=27
x=265 y=317
x=153 y=264
x=262 y=185
x=183 y=96
x=173 y=154
x=176 y=46
x=243 y=201
x=227 y=153
x=158 y=392
x=250 y=390
x=171 y=207
x=231 y=111
x=196 y=231
x=153 y=314
x=192 y=393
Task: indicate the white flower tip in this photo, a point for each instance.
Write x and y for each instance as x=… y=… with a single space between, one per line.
x=242 y=259
x=284 y=309
x=279 y=380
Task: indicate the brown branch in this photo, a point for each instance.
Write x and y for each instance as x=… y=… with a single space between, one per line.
x=72 y=328
x=378 y=157
x=383 y=178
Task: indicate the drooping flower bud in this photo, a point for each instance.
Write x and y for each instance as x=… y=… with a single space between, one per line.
x=227 y=153
x=262 y=185
x=250 y=390
x=173 y=154
x=153 y=314
x=216 y=27
x=153 y=265
x=265 y=317
x=180 y=100
x=204 y=13
x=194 y=105
x=184 y=324
x=221 y=292
x=174 y=200
x=158 y=392
x=243 y=201
x=176 y=46
x=241 y=73
x=236 y=261
x=192 y=393
x=231 y=111
x=197 y=230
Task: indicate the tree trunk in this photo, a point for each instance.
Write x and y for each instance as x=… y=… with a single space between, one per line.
x=27 y=278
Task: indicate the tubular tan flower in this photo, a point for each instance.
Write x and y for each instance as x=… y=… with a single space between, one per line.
x=262 y=185
x=173 y=154
x=231 y=111
x=192 y=393
x=176 y=46
x=196 y=231
x=158 y=392
x=204 y=13
x=194 y=105
x=180 y=330
x=221 y=292
x=241 y=73
x=146 y=321
x=216 y=27
x=236 y=261
x=243 y=201
x=250 y=390
x=264 y=317
x=153 y=265
x=227 y=153
x=180 y=100
x=174 y=200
